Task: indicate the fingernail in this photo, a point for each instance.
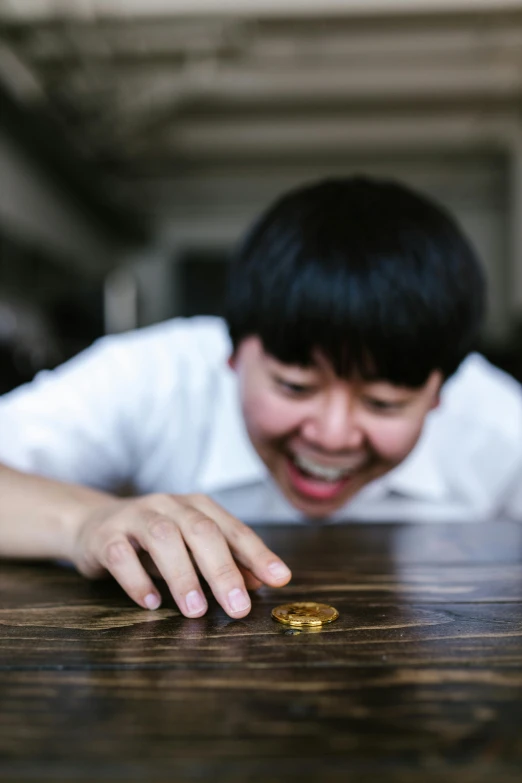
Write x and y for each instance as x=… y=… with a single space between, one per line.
x=279 y=570
x=238 y=600
x=152 y=601
x=195 y=602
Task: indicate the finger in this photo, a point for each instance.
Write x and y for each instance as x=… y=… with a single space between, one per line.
x=214 y=559
x=251 y=582
x=149 y=565
x=160 y=535
x=246 y=546
x=121 y=560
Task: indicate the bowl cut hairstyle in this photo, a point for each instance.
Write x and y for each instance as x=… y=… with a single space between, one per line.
x=376 y=277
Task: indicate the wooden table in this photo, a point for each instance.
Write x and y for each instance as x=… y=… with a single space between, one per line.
x=420 y=679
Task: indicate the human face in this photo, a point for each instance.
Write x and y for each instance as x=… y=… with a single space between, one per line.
x=321 y=437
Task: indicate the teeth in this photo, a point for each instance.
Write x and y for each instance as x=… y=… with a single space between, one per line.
x=320 y=471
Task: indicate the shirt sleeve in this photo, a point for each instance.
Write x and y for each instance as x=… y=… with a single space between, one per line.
x=76 y=423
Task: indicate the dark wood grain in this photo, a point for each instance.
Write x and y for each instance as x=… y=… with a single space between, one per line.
x=420 y=679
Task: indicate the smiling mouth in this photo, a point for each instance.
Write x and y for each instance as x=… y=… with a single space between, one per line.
x=316 y=487
x=312 y=469
x=317 y=471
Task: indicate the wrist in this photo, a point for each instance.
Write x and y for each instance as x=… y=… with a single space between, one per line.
x=40 y=518
x=75 y=519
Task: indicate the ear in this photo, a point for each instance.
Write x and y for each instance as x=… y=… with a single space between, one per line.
x=436 y=380
x=435 y=402
x=231 y=361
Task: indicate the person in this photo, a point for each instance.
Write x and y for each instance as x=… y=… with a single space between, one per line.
x=343 y=384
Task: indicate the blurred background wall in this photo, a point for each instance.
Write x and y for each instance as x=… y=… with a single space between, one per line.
x=139 y=138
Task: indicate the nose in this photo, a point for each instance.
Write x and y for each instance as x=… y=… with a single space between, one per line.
x=332 y=425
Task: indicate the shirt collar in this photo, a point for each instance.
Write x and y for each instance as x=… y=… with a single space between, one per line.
x=419 y=475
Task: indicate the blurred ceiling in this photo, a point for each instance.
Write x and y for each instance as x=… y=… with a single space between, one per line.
x=143 y=87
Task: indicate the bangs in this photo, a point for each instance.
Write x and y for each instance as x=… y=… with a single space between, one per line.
x=374 y=277
x=372 y=327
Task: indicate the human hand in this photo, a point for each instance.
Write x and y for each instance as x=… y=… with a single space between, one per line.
x=174 y=532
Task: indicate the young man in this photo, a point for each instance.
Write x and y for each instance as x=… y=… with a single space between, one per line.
x=341 y=390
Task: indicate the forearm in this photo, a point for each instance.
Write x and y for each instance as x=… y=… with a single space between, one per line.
x=39 y=517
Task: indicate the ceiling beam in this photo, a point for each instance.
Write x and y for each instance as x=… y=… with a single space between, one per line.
x=288 y=137
x=164 y=41
x=85 y=9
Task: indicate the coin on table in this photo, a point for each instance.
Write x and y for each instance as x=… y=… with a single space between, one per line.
x=305 y=613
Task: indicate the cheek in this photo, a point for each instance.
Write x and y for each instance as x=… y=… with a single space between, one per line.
x=394 y=439
x=269 y=416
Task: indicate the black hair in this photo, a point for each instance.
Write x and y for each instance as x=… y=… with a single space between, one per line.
x=375 y=276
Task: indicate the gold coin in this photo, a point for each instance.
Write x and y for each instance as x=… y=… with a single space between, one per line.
x=305 y=613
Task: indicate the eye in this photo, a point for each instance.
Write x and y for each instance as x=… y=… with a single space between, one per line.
x=296 y=389
x=383 y=406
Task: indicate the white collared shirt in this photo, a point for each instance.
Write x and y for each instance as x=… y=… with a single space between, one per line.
x=159 y=408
